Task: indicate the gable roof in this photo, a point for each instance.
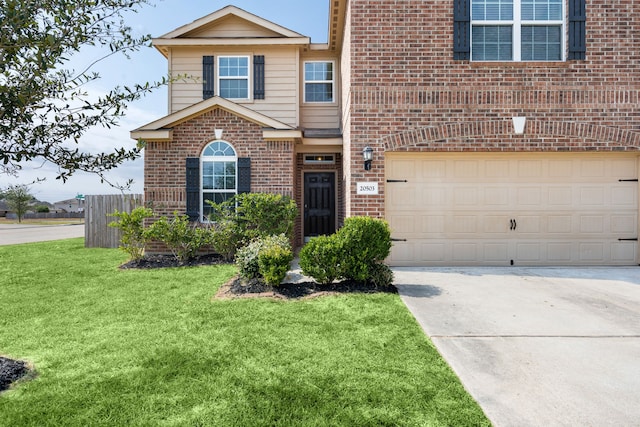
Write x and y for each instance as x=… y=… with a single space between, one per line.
x=201 y=32
x=162 y=129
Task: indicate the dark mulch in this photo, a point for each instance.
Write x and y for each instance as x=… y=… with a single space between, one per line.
x=166 y=261
x=11 y=371
x=243 y=287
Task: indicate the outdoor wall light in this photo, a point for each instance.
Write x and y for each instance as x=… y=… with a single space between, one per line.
x=367 y=153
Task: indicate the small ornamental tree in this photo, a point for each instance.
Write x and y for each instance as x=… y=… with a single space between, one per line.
x=18 y=199
x=134 y=235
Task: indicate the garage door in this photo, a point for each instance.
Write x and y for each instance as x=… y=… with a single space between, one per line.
x=512 y=209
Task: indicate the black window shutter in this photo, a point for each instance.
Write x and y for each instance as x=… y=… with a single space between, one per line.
x=193 y=188
x=258 y=77
x=577 y=29
x=461 y=30
x=208 y=77
x=244 y=175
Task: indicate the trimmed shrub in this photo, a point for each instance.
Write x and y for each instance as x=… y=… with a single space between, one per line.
x=264 y=214
x=366 y=241
x=250 y=216
x=274 y=261
x=380 y=275
x=134 y=235
x=320 y=258
x=183 y=239
x=247 y=260
x=226 y=238
x=248 y=257
x=42 y=209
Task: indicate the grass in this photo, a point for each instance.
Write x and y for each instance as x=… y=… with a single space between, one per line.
x=152 y=348
x=43 y=221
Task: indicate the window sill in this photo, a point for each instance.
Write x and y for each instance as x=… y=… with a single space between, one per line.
x=319 y=104
x=520 y=64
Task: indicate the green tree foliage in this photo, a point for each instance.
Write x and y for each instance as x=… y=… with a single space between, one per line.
x=44 y=106
x=18 y=199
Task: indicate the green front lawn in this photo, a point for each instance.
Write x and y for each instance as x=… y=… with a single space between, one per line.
x=121 y=347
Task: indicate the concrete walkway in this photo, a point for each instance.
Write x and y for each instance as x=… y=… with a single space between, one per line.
x=536 y=346
x=13 y=234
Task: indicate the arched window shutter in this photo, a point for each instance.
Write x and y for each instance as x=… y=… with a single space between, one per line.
x=258 y=77
x=208 y=77
x=461 y=30
x=577 y=29
x=193 y=188
x=244 y=175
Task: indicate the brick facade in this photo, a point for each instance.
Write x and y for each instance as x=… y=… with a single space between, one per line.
x=406 y=93
x=165 y=174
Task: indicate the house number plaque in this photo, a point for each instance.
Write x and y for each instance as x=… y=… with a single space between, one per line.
x=367 y=188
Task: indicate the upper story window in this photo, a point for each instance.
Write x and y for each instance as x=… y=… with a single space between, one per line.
x=233 y=77
x=218 y=175
x=319 y=81
x=517 y=30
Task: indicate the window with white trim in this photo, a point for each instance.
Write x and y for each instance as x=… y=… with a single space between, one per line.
x=233 y=77
x=517 y=30
x=219 y=175
x=319 y=81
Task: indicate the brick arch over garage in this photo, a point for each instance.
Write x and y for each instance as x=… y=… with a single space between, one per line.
x=498 y=135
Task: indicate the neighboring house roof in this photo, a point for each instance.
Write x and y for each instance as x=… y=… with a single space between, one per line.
x=239 y=27
x=66 y=202
x=162 y=129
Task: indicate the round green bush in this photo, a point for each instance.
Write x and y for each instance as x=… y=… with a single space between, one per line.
x=320 y=259
x=365 y=242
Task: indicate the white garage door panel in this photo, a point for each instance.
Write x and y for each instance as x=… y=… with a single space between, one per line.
x=529 y=209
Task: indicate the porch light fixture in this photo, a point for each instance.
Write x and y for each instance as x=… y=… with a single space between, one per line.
x=218 y=133
x=367 y=153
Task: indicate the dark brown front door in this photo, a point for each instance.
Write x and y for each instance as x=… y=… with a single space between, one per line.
x=319 y=204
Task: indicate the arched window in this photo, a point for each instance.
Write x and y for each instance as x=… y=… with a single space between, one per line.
x=219 y=175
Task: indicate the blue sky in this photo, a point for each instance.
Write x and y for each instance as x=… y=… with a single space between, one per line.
x=308 y=17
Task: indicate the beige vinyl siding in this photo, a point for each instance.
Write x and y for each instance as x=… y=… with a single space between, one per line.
x=233 y=27
x=318 y=115
x=281 y=71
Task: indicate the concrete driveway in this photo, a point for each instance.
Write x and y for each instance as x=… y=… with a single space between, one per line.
x=13 y=234
x=536 y=346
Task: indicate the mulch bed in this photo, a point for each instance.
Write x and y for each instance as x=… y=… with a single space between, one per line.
x=240 y=288
x=168 y=261
x=11 y=371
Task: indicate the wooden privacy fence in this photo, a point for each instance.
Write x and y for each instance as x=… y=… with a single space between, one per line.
x=97 y=233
